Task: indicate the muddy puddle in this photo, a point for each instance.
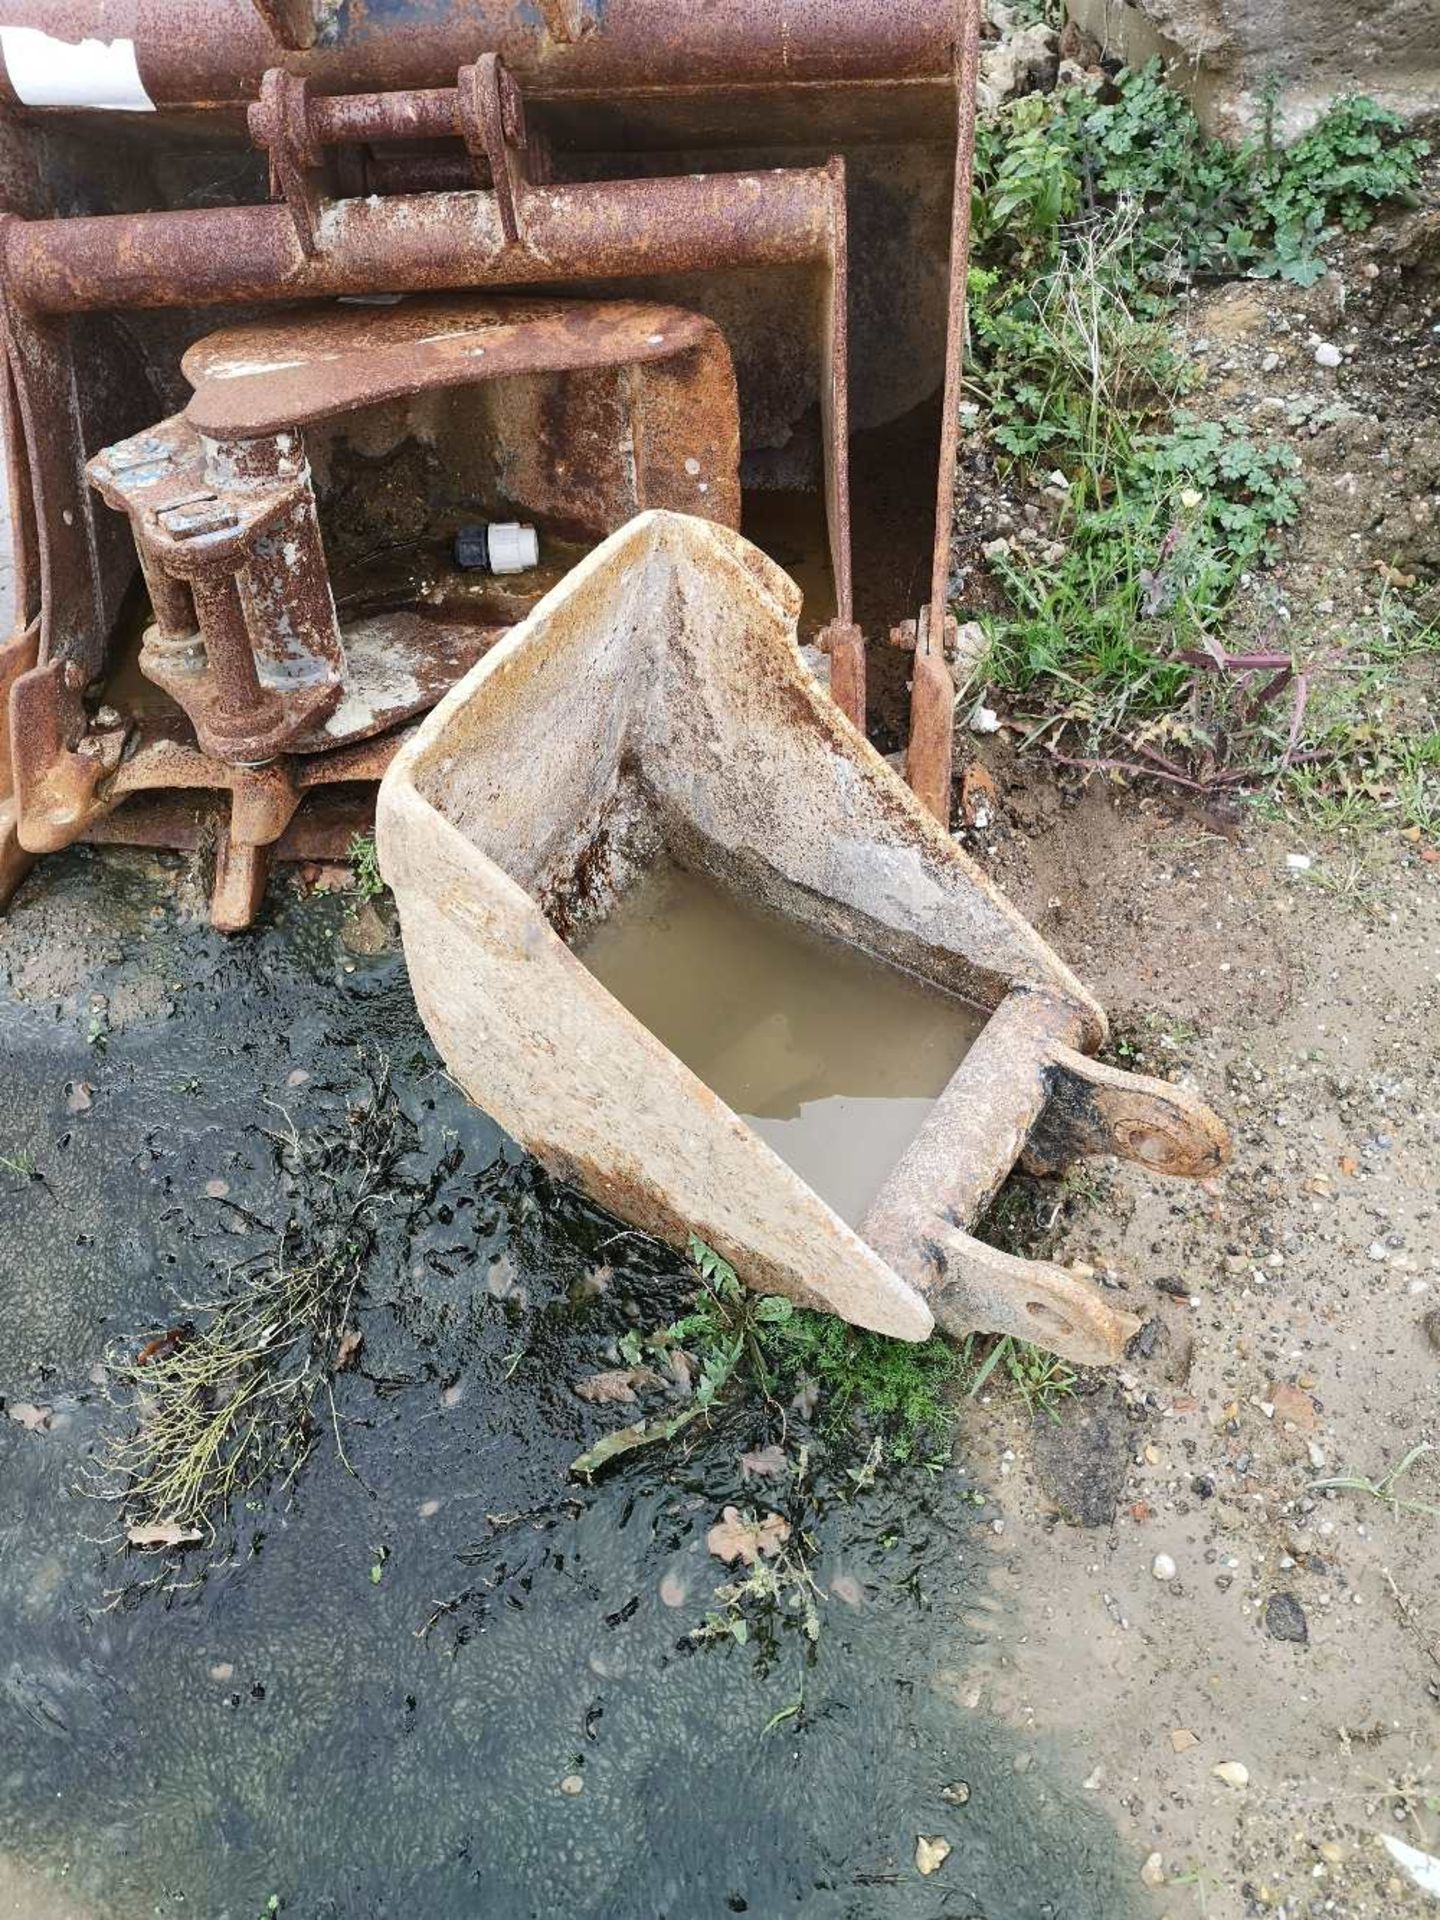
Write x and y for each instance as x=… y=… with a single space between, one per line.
x=438 y=1677
x=833 y=1057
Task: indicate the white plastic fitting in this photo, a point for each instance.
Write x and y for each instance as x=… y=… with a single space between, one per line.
x=514 y=548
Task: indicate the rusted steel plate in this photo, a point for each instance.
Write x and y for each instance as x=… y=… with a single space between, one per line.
x=290 y=371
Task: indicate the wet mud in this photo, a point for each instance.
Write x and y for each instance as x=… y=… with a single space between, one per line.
x=438 y=1676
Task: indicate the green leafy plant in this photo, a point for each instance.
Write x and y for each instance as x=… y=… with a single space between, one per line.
x=1258 y=208
x=760 y=1340
x=1088 y=214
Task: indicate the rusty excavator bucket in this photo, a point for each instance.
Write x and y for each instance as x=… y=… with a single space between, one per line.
x=248 y=250
x=655 y=708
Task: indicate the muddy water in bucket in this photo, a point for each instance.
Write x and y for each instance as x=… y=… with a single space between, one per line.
x=834 y=1057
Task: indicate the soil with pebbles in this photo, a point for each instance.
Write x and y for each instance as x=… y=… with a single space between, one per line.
x=1289 y=1301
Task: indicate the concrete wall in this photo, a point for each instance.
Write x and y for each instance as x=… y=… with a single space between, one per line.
x=1223 y=51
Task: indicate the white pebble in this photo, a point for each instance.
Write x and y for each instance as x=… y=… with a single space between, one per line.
x=1327 y=354
x=1163 y=1567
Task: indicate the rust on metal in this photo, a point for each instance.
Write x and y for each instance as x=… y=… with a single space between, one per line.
x=291 y=21
x=406 y=161
x=209 y=53
x=593 y=410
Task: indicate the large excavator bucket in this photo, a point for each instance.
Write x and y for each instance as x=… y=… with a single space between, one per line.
x=655 y=707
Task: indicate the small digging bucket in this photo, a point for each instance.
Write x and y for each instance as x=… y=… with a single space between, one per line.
x=655 y=705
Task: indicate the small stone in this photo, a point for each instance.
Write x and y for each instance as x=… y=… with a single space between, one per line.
x=572 y=1784
x=673 y=1590
x=957 y=1793
x=222 y=1671
x=1327 y=354
x=1233 y=1772
x=1269 y=361
x=930 y=1853
x=1285 y=1619
x=1299 y=862
x=1163 y=1567
x=1153 y=1871
x=429 y=1509
x=1332 y=1852
x=1182 y=1739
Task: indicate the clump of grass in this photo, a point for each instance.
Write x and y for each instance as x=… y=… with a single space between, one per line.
x=230 y=1399
x=1041 y=1379
x=1386 y=1487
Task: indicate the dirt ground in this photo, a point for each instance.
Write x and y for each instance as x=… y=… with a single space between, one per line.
x=1295 y=981
x=1290 y=1345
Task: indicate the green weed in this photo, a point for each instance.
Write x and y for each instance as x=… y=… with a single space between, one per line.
x=365 y=865
x=1384 y=1488
x=899 y=1388
x=895 y=1388
x=1041 y=1379
x=1258 y=208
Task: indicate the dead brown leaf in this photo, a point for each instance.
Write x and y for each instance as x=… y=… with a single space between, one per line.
x=736 y=1536
x=79 y=1097
x=164 y=1533
x=348 y=1350
x=615 y=1387
x=764 y=1463
x=34 y=1419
